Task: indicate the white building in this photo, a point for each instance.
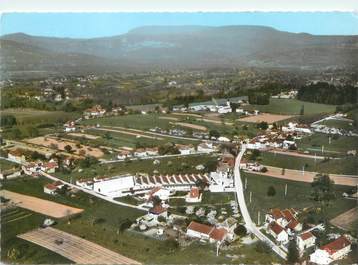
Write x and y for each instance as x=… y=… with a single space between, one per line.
x=185 y=149
x=278 y=232
x=17 y=155
x=206 y=147
x=51 y=188
x=159 y=192
x=114 y=187
x=224 y=109
x=304 y=241
x=334 y=250
x=206 y=232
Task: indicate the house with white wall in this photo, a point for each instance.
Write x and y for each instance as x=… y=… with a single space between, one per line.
x=333 y=251
x=304 y=241
x=278 y=232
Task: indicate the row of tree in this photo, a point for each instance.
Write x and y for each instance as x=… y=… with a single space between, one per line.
x=326 y=93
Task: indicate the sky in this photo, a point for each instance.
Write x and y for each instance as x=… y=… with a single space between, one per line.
x=89 y=25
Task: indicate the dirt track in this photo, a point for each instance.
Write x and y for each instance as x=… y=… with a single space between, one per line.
x=41 y=206
x=139 y=134
x=296 y=175
x=346 y=219
x=192 y=126
x=267 y=117
x=74 y=248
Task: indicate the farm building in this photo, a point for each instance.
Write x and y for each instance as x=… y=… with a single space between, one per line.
x=334 y=250
x=305 y=240
x=114 y=187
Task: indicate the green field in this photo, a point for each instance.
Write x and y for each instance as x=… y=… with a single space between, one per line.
x=5 y=165
x=298 y=196
x=135 y=121
x=338 y=124
x=100 y=222
x=292 y=107
x=347 y=165
x=314 y=143
x=34 y=117
x=174 y=165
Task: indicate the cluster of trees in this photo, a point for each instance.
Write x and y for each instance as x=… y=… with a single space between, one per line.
x=326 y=93
x=19 y=133
x=7 y=120
x=259 y=98
x=168 y=149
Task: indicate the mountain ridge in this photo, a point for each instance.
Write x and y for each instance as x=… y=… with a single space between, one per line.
x=170 y=47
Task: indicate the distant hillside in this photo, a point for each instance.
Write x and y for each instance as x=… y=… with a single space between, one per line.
x=169 y=47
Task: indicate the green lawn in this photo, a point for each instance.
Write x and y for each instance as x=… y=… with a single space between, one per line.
x=314 y=143
x=5 y=165
x=292 y=107
x=298 y=196
x=136 y=121
x=338 y=124
x=347 y=165
x=34 y=117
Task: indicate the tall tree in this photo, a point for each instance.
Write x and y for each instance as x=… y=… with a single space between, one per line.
x=292 y=254
x=323 y=189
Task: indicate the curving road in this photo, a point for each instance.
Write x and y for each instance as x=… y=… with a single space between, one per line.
x=245 y=212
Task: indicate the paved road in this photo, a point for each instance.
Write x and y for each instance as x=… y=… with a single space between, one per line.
x=245 y=212
x=155 y=157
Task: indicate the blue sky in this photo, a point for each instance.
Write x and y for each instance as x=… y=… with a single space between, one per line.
x=88 y=25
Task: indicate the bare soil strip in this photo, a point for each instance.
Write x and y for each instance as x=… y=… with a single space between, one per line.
x=298 y=175
x=168 y=118
x=345 y=220
x=192 y=126
x=74 y=248
x=187 y=114
x=41 y=206
x=84 y=135
x=129 y=133
x=266 y=117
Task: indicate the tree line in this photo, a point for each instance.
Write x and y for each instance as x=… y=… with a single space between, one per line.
x=323 y=92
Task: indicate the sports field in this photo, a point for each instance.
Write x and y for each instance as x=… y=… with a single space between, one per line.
x=265 y=117
x=292 y=107
x=41 y=206
x=74 y=248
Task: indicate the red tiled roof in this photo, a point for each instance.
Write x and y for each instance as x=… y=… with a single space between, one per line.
x=194 y=192
x=276 y=228
x=51 y=186
x=306 y=236
x=276 y=213
x=201 y=228
x=336 y=245
x=218 y=234
x=57 y=183
x=158 y=209
x=16 y=152
x=288 y=215
x=153 y=191
x=293 y=224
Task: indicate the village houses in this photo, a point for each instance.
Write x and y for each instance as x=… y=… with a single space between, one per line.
x=333 y=251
